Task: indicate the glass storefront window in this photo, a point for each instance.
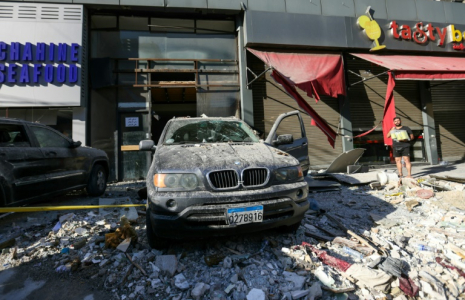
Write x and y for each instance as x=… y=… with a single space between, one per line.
x=172 y=25
x=133 y=23
x=103 y=22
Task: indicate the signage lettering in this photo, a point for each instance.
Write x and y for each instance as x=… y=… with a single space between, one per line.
x=424 y=33
x=23 y=63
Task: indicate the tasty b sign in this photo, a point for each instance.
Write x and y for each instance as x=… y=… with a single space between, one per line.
x=422 y=33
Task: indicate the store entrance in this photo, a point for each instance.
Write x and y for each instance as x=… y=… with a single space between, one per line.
x=171 y=102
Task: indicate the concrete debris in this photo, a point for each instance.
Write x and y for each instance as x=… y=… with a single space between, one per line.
x=410 y=238
x=167 y=263
x=256 y=294
x=199 y=290
x=124 y=245
x=181 y=282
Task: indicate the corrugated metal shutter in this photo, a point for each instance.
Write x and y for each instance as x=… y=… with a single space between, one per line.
x=367 y=98
x=449 y=118
x=270 y=100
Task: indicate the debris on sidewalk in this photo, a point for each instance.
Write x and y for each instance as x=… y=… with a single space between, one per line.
x=359 y=242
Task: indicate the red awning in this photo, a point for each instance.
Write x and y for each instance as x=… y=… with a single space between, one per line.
x=315 y=74
x=408 y=67
x=419 y=67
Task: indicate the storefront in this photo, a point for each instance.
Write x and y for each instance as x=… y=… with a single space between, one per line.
x=429 y=104
x=112 y=74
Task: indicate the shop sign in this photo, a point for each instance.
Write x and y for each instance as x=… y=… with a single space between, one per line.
x=421 y=34
x=371 y=29
x=29 y=63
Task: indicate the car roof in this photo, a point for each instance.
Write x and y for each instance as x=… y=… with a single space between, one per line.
x=14 y=120
x=206 y=118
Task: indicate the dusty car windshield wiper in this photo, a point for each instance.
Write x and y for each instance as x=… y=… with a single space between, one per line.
x=182 y=142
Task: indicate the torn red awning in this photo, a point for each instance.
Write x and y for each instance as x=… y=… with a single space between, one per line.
x=408 y=67
x=316 y=119
x=316 y=74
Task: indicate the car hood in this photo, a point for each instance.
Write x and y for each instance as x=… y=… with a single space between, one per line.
x=221 y=156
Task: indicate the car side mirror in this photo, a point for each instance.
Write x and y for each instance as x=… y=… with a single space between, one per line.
x=147 y=145
x=75 y=144
x=284 y=139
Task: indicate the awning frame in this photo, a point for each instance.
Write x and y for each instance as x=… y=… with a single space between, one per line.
x=257 y=77
x=366 y=79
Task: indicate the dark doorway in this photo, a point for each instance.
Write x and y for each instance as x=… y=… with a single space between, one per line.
x=171 y=102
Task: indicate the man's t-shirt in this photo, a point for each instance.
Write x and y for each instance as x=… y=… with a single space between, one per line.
x=398 y=133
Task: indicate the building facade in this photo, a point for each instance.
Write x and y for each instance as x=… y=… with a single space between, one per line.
x=111 y=73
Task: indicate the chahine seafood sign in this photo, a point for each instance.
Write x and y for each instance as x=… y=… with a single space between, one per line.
x=40 y=62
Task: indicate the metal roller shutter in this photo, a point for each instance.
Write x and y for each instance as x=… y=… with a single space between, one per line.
x=270 y=100
x=367 y=98
x=449 y=118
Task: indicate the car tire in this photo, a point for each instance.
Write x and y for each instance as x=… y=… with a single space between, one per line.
x=97 y=181
x=155 y=242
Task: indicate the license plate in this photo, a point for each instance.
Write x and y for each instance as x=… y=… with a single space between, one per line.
x=245 y=215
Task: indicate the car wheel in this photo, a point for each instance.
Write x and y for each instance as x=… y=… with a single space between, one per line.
x=97 y=181
x=155 y=242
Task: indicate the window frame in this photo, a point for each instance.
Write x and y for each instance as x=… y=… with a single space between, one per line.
x=24 y=131
x=31 y=128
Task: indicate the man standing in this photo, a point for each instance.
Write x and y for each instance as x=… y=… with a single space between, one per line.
x=401 y=137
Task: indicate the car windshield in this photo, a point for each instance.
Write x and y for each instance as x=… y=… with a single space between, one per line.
x=193 y=131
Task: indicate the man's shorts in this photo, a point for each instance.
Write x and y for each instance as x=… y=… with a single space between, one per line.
x=401 y=151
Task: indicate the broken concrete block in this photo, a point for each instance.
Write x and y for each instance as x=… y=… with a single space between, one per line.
x=80 y=231
x=124 y=245
x=297 y=280
x=167 y=263
x=256 y=294
x=411 y=204
x=181 y=282
x=315 y=291
x=199 y=290
x=299 y=294
x=63 y=219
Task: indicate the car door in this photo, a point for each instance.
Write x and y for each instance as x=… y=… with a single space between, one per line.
x=291 y=123
x=66 y=165
x=20 y=164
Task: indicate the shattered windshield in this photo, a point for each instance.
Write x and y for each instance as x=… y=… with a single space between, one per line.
x=208 y=131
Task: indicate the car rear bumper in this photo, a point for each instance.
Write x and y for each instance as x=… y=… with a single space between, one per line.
x=283 y=205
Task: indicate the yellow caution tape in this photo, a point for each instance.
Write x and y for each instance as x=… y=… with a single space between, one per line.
x=394 y=195
x=72 y=207
x=421 y=180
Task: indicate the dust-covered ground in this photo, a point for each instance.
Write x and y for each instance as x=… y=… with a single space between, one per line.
x=72 y=261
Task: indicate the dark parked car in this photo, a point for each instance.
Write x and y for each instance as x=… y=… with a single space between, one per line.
x=213 y=176
x=37 y=161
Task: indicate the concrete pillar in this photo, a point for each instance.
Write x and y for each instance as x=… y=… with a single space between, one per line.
x=245 y=93
x=79 y=124
x=345 y=124
x=429 y=129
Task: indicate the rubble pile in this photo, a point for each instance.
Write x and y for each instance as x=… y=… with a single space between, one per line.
x=402 y=240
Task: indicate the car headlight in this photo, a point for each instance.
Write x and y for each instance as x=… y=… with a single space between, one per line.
x=288 y=174
x=173 y=181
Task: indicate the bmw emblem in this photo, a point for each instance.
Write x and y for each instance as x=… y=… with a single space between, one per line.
x=237 y=162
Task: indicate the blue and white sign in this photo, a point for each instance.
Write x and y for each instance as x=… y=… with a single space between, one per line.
x=41 y=55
